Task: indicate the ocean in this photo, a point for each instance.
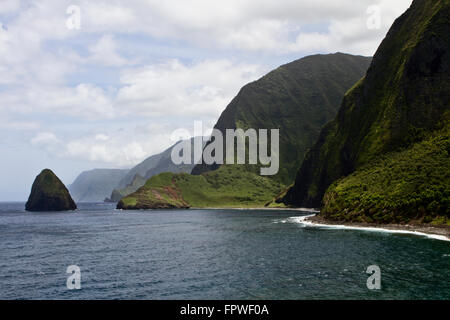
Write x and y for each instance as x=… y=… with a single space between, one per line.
x=209 y=254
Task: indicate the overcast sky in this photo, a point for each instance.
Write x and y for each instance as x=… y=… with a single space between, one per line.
x=109 y=93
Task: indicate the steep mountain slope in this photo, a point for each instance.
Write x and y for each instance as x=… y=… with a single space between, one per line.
x=136 y=176
x=393 y=114
x=95 y=185
x=400 y=187
x=48 y=193
x=298 y=98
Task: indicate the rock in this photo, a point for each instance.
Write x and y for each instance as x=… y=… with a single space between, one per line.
x=49 y=194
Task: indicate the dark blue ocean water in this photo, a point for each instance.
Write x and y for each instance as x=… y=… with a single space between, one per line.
x=208 y=254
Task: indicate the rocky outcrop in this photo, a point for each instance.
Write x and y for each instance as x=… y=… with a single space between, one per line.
x=48 y=193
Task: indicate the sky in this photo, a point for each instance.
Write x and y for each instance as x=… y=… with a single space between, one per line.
x=102 y=84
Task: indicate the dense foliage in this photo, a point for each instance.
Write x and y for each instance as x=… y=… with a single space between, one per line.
x=385 y=120
x=403 y=187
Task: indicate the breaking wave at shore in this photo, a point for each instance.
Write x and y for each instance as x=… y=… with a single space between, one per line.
x=303 y=221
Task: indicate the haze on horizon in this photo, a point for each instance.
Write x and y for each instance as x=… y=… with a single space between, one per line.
x=109 y=93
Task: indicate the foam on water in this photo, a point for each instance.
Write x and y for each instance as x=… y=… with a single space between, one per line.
x=302 y=220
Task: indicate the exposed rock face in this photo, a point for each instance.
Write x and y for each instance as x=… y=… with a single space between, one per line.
x=49 y=194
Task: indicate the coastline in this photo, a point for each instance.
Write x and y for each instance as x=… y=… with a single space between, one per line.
x=256 y=208
x=432 y=232
x=313 y=220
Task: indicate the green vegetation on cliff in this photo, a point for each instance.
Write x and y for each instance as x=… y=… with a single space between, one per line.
x=229 y=186
x=402 y=187
x=298 y=98
x=388 y=121
x=48 y=193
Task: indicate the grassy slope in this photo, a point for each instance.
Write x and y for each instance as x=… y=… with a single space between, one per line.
x=225 y=187
x=401 y=102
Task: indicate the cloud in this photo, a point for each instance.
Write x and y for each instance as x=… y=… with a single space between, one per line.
x=47 y=141
x=83 y=101
x=44 y=138
x=351 y=35
x=123 y=148
x=235 y=24
x=176 y=89
x=245 y=24
x=9 y=6
x=21 y=125
x=49 y=72
x=169 y=88
x=104 y=52
x=39 y=53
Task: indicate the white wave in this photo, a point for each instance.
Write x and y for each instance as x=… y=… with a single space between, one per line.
x=302 y=220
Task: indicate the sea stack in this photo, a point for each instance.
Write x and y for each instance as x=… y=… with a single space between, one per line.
x=49 y=194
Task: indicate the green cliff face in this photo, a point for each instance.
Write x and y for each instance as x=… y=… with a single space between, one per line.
x=298 y=98
x=402 y=187
x=48 y=193
x=387 y=130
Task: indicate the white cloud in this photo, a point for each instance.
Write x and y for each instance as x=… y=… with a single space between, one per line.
x=8 y=6
x=84 y=101
x=233 y=24
x=245 y=24
x=164 y=89
x=21 y=125
x=37 y=75
x=42 y=61
x=114 y=148
x=44 y=138
x=123 y=148
x=352 y=34
x=47 y=141
x=173 y=88
x=104 y=52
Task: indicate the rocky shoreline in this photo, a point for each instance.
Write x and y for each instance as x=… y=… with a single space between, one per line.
x=421 y=228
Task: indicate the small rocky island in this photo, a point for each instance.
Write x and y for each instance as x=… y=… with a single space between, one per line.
x=49 y=194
